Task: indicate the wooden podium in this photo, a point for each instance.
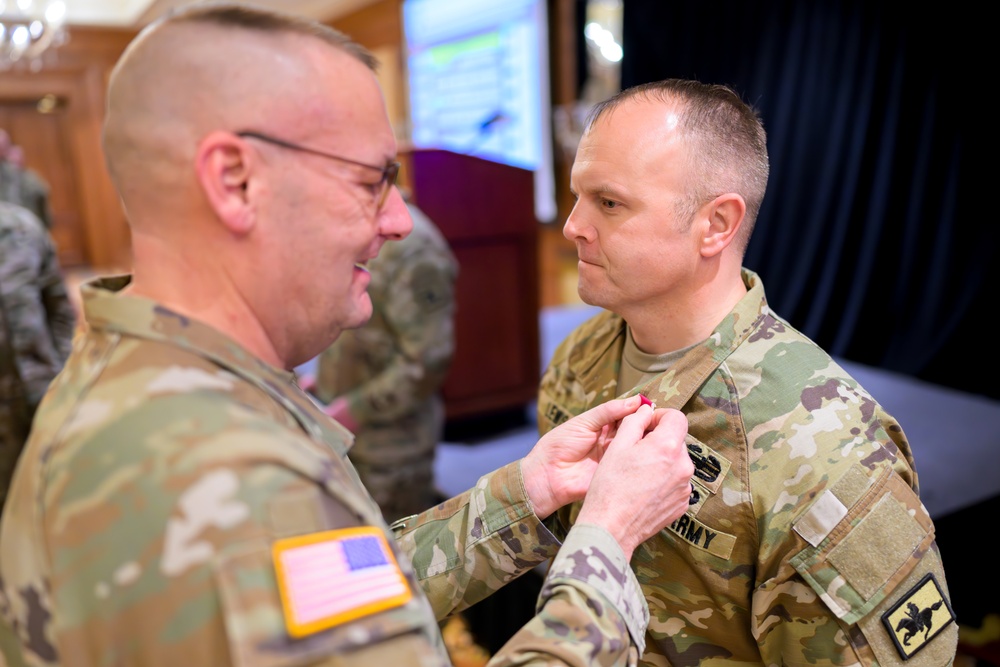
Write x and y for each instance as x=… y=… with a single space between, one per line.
x=486 y=211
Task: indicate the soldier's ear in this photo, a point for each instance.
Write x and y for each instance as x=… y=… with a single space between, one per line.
x=725 y=216
x=224 y=165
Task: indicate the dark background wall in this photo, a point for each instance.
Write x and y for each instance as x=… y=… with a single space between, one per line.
x=873 y=238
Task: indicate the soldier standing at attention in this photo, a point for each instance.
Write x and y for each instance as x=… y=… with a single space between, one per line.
x=805 y=542
x=37 y=322
x=383 y=380
x=181 y=501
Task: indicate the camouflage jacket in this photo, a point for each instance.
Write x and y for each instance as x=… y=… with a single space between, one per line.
x=10 y=183
x=391 y=369
x=181 y=502
x=34 y=297
x=805 y=541
x=38 y=322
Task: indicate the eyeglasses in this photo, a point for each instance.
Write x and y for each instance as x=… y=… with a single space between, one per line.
x=389 y=172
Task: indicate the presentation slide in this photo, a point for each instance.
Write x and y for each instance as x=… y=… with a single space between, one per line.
x=478 y=83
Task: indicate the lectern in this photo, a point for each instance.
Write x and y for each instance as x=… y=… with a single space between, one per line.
x=486 y=211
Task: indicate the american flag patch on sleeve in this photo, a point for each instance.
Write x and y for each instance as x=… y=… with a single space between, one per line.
x=335 y=576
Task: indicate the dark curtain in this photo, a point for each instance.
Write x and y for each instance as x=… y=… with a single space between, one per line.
x=868 y=240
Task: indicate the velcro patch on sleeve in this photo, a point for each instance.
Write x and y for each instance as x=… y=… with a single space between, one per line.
x=822 y=517
x=918 y=617
x=331 y=577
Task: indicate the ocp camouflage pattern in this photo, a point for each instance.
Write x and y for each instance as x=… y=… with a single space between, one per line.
x=804 y=527
x=391 y=370
x=165 y=463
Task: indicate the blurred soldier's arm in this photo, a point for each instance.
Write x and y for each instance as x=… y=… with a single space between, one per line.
x=59 y=312
x=39 y=199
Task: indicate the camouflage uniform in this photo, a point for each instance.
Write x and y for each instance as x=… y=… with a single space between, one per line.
x=391 y=370
x=168 y=468
x=805 y=542
x=10 y=185
x=33 y=192
x=38 y=322
x=15 y=413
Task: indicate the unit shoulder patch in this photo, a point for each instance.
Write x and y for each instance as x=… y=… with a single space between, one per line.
x=919 y=616
x=331 y=577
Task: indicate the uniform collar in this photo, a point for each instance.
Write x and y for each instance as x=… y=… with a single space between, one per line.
x=105 y=308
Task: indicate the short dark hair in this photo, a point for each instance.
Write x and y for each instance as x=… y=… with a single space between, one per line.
x=727 y=136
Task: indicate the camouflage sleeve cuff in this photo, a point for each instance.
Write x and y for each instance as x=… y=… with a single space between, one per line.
x=514 y=501
x=592 y=556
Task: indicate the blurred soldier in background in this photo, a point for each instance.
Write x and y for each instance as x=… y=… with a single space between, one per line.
x=36 y=327
x=8 y=182
x=20 y=185
x=383 y=381
x=32 y=189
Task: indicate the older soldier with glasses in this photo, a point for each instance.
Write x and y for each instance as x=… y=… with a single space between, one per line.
x=181 y=501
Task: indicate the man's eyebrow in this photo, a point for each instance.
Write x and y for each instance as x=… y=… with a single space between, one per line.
x=612 y=191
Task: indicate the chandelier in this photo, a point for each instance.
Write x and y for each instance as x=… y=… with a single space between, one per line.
x=27 y=29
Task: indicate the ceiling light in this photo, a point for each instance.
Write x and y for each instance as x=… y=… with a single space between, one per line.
x=28 y=28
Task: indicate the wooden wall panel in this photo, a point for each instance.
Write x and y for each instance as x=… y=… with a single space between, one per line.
x=377 y=25
x=46 y=139
x=65 y=148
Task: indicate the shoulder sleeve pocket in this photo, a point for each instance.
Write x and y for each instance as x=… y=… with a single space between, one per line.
x=871 y=550
x=255 y=627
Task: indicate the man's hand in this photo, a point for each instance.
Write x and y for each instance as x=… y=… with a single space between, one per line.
x=644 y=479
x=557 y=471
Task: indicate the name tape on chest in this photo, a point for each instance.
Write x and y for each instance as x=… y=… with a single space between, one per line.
x=699 y=535
x=328 y=578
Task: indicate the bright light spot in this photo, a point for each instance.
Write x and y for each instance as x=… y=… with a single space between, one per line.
x=609 y=49
x=55 y=12
x=612 y=52
x=20 y=37
x=36 y=28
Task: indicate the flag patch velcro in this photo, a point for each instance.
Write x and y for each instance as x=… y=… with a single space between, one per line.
x=335 y=576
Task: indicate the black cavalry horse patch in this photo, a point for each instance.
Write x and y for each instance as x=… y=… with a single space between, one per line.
x=918 y=617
